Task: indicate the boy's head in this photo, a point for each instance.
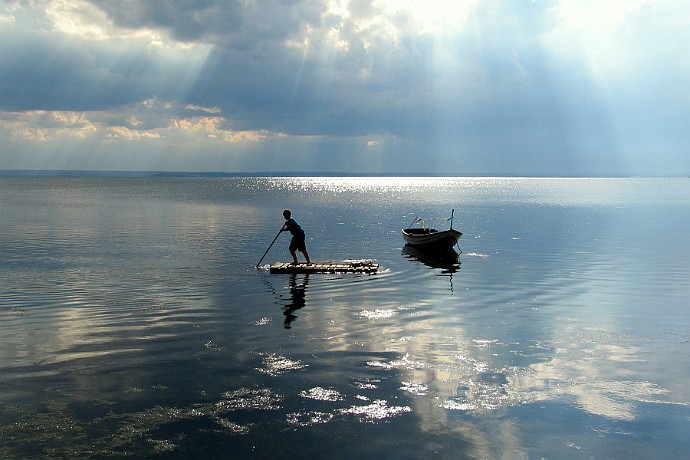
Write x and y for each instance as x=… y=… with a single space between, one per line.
x=287 y=214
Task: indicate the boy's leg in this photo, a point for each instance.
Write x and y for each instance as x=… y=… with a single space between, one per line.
x=306 y=255
x=294 y=255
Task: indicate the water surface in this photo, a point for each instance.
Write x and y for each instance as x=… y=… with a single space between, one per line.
x=133 y=321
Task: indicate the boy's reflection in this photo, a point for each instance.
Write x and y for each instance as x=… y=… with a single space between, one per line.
x=298 y=298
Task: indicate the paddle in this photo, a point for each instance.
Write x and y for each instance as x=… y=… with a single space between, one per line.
x=269 y=248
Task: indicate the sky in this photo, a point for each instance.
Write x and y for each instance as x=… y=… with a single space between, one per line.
x=463 y=87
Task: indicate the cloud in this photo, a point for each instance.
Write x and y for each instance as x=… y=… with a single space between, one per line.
x=7 y=19
x=183 y=21
x=214 y=128
x=202 y=109
x=155 y=122
x=127 y=133
x=45 y=125
x=523 y=88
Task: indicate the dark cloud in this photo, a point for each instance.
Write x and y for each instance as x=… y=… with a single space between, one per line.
x=43 y=71
x=230 y=23
x=185 y=20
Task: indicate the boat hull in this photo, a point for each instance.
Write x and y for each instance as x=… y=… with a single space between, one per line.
x=424 y=237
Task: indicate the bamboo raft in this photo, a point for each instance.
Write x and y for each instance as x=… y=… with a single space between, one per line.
x=325 y=267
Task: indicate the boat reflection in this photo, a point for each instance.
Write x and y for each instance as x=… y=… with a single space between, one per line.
x=448 y=260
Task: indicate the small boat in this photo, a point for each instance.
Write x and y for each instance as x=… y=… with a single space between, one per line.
x=426 y=237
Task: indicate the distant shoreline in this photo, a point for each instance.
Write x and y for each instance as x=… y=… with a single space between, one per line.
x=211 y=174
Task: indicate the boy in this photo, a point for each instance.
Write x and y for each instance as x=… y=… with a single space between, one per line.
x=298 y=238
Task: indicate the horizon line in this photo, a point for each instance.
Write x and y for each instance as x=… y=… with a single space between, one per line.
x=162 y=173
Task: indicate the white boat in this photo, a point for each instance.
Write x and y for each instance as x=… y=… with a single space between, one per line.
x=427 y=237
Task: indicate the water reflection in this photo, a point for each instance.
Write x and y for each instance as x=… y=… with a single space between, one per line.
x=447 y=260
x=297 y=299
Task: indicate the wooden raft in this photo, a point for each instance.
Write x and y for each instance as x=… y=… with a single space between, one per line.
x=325 y=267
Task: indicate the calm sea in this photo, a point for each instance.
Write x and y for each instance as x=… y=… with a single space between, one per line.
x=133 y=322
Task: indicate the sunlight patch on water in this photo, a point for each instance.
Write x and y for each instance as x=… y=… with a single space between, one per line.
x=474 y=364
x=377 y=314
x=309 y=418
x=139 y=424
x=417 y=389
x=452 y=404
x=321 y=394
x=404 y=363
x=262 y=321
x=406 y=338
x=211 y=345
x=367 y=384
x=482 y=343
x=129 y=432
x=162 y=445
x=244 y=398
x=486 y=395
x=378 y=410
x=370 y=413
x=232 y=427
x=475 y=254
x=275 y=365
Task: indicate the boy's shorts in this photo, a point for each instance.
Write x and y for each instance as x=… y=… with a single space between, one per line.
x=298 y=243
